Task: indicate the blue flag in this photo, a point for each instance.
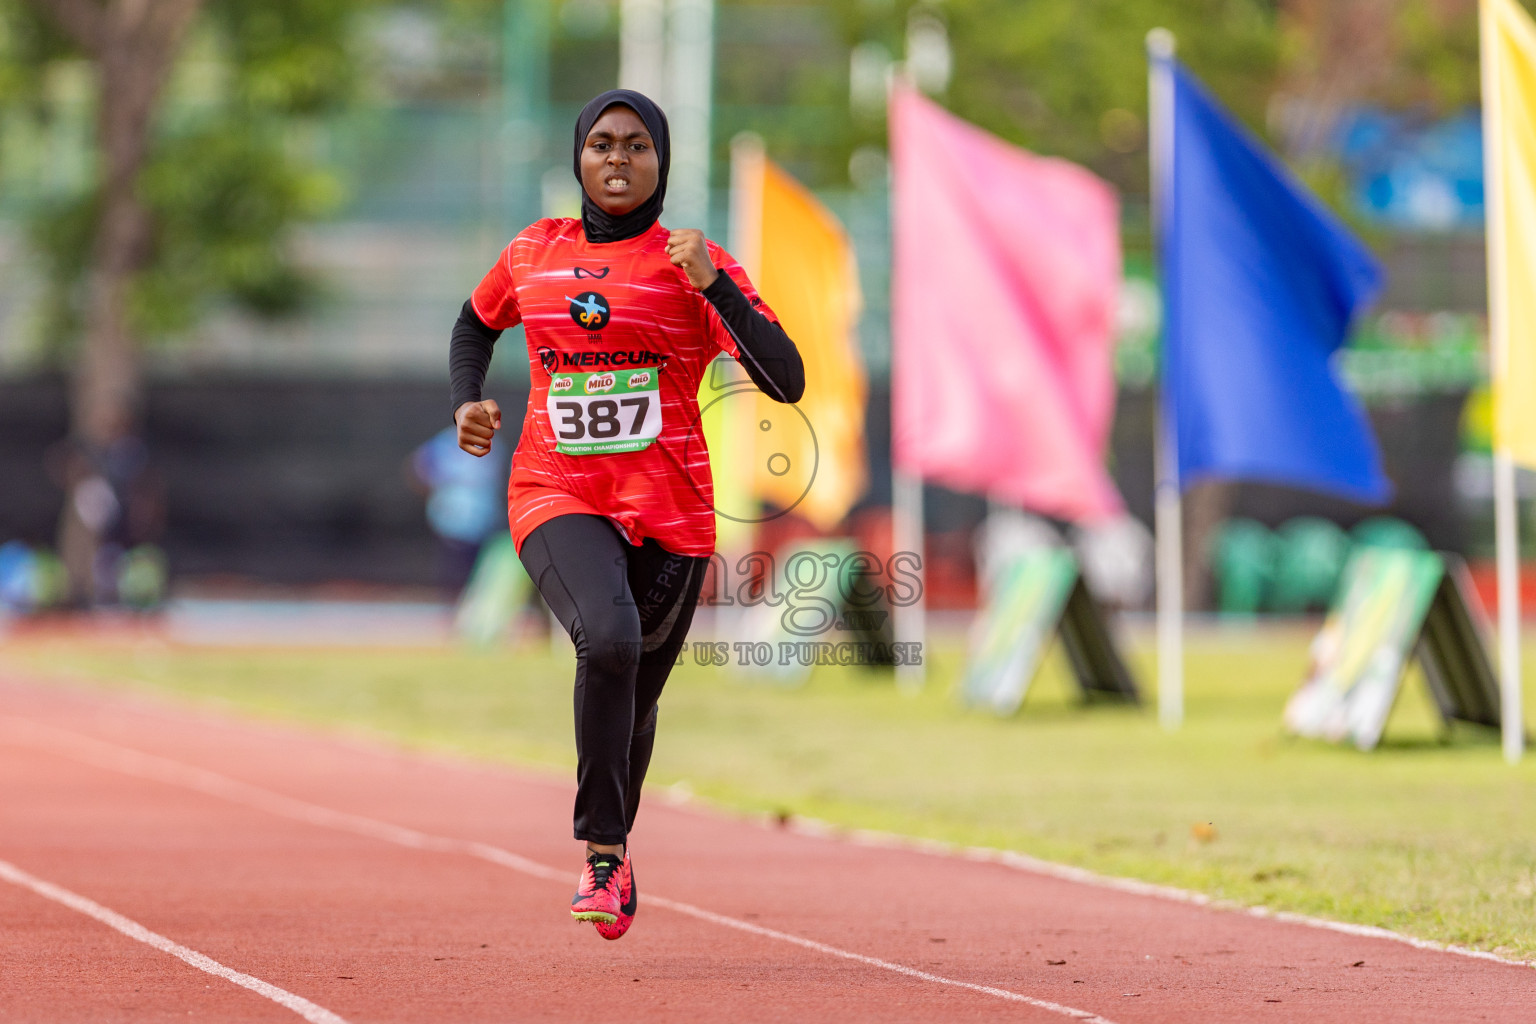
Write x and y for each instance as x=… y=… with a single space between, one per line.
x=1260 y=286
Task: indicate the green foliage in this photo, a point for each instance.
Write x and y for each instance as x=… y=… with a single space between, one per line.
x=1069 y=77
x=289 y=57
x=27 y=42
x=1440 y=60
x=226 y=177
x=61 y=233
x=223 y=198
x=1437 y=65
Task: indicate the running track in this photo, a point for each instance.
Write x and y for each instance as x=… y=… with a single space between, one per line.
x=279 y=876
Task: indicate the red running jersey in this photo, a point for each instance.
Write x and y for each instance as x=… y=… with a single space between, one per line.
x=618 y=341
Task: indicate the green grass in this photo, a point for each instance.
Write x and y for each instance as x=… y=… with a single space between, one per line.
x=1436 y=839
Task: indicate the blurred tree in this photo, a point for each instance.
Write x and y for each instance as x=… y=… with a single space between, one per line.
x=196 y=181
x=1413 y=56
x=1418 y=55
x=1069 y=77
x=1402 y=54
x=782 y=71
x=1338 y=51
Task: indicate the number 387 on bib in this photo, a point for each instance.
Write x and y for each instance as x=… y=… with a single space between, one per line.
x=609 y=411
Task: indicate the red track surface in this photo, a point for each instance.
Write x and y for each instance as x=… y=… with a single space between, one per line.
x=373 y=930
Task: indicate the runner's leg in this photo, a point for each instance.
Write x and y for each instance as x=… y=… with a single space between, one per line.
x=666 y=588
x=579 y=564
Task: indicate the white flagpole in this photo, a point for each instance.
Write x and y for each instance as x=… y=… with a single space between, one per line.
x=1168 y=507
x=1505 y=506
x=691 y=63
x=736 y=537
x=1168 y=513
x=643 y=48
x=1507 y=540
x=909 y=621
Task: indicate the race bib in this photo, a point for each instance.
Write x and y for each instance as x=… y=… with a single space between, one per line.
x=609 y=411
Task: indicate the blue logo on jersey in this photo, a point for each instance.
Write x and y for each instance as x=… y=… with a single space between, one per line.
x=589 y=310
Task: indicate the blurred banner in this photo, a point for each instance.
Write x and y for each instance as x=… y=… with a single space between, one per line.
x=1511 y=74
x=802 y=262
x=1260 y=285
x=1003 y=301
x=1039 y=594
x=1394 y=605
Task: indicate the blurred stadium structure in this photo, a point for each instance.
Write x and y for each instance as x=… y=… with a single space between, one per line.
x=276 y=444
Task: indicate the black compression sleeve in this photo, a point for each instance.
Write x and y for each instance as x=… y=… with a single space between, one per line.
x=767 y=353
x=469 y=355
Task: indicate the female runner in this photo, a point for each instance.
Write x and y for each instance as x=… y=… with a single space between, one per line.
x=610 y=500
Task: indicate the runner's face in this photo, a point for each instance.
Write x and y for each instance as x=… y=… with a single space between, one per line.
x=619 y=166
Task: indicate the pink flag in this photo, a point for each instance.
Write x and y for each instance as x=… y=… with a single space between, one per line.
x=1007 y=271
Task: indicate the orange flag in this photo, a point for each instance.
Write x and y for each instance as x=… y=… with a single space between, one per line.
x=797 y=253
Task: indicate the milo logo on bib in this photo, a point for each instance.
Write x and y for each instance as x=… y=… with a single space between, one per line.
x=605 y=413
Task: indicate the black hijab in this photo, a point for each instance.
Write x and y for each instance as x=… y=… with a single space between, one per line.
x=605 y=227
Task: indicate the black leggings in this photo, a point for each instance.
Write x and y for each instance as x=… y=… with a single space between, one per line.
x=627 y=609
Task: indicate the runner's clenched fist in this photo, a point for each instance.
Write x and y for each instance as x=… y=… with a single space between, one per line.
x=477 y=423
x=686 y=249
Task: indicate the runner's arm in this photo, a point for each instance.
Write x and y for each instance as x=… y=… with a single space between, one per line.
x=469 y=355
x=764 y=350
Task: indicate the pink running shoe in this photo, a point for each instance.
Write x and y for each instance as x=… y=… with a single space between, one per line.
x=597 y=894
x=629 y=900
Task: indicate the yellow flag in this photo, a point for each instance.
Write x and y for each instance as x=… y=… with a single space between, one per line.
x=1509 y=131
x=810 y=457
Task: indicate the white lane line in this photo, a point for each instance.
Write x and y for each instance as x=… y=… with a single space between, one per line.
x=1135 y=887
x=128 y=761
x=112 y=919
x=873 y=961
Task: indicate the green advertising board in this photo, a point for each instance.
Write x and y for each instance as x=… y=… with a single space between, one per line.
x=496 y=591
x=1394 y=605
x=1038 y=595
x=805 y=609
